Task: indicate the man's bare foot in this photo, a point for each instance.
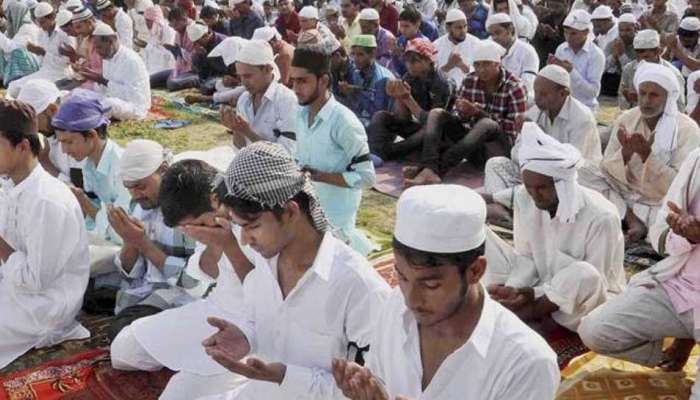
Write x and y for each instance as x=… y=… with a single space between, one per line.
x=676 y=356
x=426 y=177
x=636 y=230
x=196 y=98
x=499 y=215
x=411 y=171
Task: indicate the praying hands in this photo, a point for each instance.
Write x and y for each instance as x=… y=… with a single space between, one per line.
x=357 y=382
x=466 y=109
x=634 y=143
x=398 y=89
x=129 y=229
x=90 y=75
x=683 y=224
x=218 y=234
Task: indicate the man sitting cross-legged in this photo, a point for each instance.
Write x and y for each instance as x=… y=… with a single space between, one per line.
x=439 y=336
x=568 y=241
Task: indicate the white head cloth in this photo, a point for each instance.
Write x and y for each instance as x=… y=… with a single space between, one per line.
x=499 y=18
x=42 y=10
x=228 y=49
x=455 y=14
x=488 y=50
x=71 y=5
x=579 y=20
x=369 y=14
x=666 y=136
x=63 y=17
x=196 y=31
x=309 y=12
x=513 y=12
x=102 y=29
x=256 y=52
x=690 y=24
x=545 y=155
x=627 y=18
x=647 y=39
x=556 y=74
x=141 y=158
x=602 y=12
x=39 y=93
x=456 y=214
x=266 y=33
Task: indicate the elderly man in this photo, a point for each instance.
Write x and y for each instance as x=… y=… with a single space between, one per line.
x=569 y=246
x=247 y=21
x=369 y=25
x=581 y=58
x=43 y=245
x=123 y=81
x=54 y=65
x=521 y=58
x=560 y=116
x=119 y=20
x=455 y=48
x=647 y=146
x=665 y=293
x=647 y=47
x=490 y=100
x=419 y=91
x=618 y=53
x=463 y=345
x=267 y=108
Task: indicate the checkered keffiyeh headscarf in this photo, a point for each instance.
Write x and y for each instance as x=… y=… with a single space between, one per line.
x=265 y=173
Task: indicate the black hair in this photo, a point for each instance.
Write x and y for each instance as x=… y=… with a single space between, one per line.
x=17 y=123
x=313 y=61
x=101 y=132
x=248 y=209
x=185 y=191
x=176 y=13
x=208 y=12
x=410 y=14
x=432 y=260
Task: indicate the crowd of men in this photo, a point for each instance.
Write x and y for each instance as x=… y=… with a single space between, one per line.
x=251 y=281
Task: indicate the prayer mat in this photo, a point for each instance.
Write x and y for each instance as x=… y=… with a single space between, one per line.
x=168 y=104
x=389 y=177
x=617 y=385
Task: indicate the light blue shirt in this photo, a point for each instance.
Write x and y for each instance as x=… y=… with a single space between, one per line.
x=333 y=143
x=589 y=65
x=104 y=180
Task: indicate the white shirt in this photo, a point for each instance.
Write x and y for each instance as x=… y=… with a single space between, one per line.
x=426 y=8
x=333 y=304
x=52 y=61
x=605 y=39
x=43 y=281
x=503 y=358
x=128 y=79
x=588 y=67
x=125 y=28
x=445 y=47
x=276 y=112
x=522 y=61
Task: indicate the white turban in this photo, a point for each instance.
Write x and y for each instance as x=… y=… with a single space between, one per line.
x=256 y=52
x=545 y=155
x=497 y=19
x=488 y=50
x=141 y=158
x=42 y=10
x=514 y=13
x=666 y=136
x=266 y=33
x=556 y=74
x=646 y=39
x=228 y=49
x=63 y=17
x=39 y=93
x=196 y=31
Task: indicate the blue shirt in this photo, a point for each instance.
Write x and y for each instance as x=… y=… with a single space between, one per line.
x=372 y=96
x=429 y=30
x=477 y=22
x=336 y=143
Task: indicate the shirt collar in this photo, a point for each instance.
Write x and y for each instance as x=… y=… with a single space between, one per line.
x=323 y=113
x=105 y=163
x=323 y=263
x=565 y=111
x=28 y=182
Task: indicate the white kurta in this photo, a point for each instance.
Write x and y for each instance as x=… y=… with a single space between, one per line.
x=156 y=57
x=605 y=39
x=503 y=358
x=42 y=283
x=522 y=61
x=466 y=48
x=125 y=29
x=128 y=91
x=544 y=247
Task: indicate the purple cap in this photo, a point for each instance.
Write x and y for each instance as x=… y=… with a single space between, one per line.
x=81 y=111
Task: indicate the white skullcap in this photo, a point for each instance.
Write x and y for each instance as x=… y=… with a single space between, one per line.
x=141 y=158
x=627 y=18
x=441 y=219
x=556 y=74
x=646 y=39
x=690 y=24
x=579 y=20
x=256 y=52
x=228 y=49
x=602 y=12
x=499 y=18
x=455 y=15
x=82 y=15
x=42 y=10
x=488 y=50
x=543 y=154
x=196 y=31
x=266 y=33
x=232 y=3
x=63 y=17
x=73 y=4
x=102 y=29
x=309 y=12
x=39 y=93
x=666 y=137
x=369 y=14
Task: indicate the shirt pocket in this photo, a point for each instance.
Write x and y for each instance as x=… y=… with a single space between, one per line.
x=313 y=349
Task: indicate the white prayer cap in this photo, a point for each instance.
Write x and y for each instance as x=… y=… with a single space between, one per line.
x=488 y=50
x=256 y=52
x=556 y=74
x=42 y=10
x=39 y=93
x=102 y=29
x=63 y=17
x=455 y=15
x=82 y=15
x=579 y=20
x=666 y=137
x=498 y=18
x=196 y=31
x=228 y=49
x=266 y=33
x=602 y=12
x=647 y=39
x=627 y=18
x=690 y=24
x=73 y=4
x=543 y=154
x=309 y=12
x=232 y=3
x=441 y=219
x=141 y=158
x=369 y=14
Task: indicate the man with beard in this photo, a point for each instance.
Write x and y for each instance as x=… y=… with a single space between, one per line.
x=455 y=47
